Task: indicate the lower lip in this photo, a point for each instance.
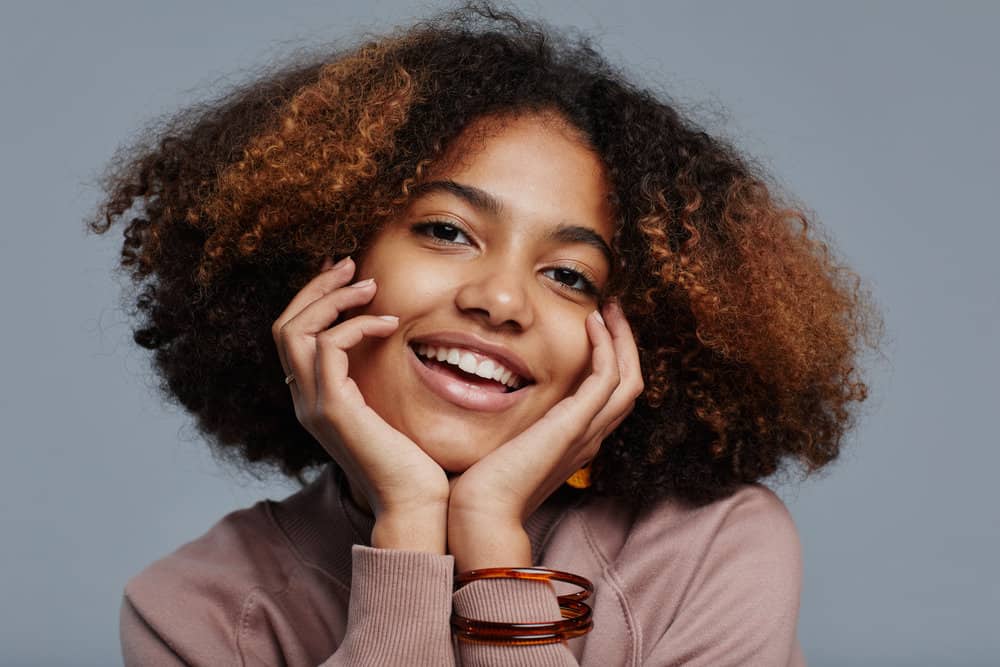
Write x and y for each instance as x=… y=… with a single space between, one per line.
x=462 y=394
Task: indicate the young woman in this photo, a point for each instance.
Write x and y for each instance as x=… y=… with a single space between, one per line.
x=526 y=315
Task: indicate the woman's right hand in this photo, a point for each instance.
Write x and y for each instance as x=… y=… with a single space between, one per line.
x=406 y=489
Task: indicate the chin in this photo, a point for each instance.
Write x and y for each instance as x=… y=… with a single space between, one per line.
x=454 y=454
x=454 y=465
x=455 y=458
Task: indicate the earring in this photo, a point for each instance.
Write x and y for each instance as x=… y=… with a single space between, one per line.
x=581 y=478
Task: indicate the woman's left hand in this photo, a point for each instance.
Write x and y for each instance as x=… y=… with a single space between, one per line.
x=490 y=501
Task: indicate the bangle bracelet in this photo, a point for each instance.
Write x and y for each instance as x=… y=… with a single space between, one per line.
x=576 y=621
x=577 y=615
x=534 y=573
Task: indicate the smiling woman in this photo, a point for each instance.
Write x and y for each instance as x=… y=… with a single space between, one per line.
x=484 y=264
x=528 y=317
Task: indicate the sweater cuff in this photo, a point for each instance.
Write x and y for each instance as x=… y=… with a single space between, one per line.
x=399 y=608
x=510 y=601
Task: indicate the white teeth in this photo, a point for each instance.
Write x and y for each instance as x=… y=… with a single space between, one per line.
x=467 y=363
x=485 y=369
x=465 y=360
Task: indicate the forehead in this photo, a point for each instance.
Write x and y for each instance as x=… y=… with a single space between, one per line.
x=537 y=167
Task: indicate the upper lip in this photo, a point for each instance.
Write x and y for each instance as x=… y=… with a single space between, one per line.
x=476 y=344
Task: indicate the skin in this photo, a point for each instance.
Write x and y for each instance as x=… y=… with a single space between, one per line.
x=439 y=477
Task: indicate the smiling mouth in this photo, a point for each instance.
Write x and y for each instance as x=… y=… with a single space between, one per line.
x=457 y=369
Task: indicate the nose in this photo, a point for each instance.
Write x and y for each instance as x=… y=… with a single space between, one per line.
x=498 y=295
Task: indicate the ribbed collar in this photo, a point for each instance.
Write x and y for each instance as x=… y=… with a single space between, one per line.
x=323 y=522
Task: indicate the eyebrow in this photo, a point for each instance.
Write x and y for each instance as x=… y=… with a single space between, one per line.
x=489 y=203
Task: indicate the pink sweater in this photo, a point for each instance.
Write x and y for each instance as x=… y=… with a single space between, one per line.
x=293 y=583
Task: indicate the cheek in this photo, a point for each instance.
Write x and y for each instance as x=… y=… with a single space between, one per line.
x=407 y=292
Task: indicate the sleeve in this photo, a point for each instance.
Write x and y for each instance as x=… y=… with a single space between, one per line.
x=399 y=613
x=509 y=601
x=400 y=610
x=741 y=605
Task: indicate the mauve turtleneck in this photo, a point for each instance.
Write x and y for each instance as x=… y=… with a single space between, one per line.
x=296 y=583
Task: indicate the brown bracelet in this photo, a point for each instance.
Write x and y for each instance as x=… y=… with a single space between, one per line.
x=577 y=615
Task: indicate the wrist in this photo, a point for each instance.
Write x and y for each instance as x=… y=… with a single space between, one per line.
x=423 y=529
x=482 y=543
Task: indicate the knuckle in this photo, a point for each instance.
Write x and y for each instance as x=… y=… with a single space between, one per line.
x=304 y=417
x=276 y=329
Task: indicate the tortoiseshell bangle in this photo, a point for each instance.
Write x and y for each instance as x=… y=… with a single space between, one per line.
x=577 y=615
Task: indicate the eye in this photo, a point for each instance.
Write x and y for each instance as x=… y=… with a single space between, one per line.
x=442 y=232
x=572 y=279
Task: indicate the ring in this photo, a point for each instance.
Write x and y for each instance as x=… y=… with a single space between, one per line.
x=289 y=378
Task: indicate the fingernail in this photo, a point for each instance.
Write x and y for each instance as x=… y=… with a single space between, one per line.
x=364 y=283
x=341 y=263
x=388 y=318
x=599 y=318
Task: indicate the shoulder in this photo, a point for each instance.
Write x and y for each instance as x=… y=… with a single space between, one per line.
x=721 y=581
x=243 y=549
x=748 y=538
x=751 y=521
x=202 y=589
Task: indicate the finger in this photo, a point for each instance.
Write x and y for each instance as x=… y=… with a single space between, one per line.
x=333 y=385
x=569 y=419
x=626 y=349
x=297 y=338
x=324 y=282
x=341 y=271
x=324 y=311
x=603 y=400
x=329 y=279
x=605 y=376
x=631 y=385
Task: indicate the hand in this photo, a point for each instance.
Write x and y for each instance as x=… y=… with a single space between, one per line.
x=490 y=501
x=406 y=489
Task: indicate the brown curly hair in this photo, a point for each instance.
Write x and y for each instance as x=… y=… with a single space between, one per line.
x=749 y=330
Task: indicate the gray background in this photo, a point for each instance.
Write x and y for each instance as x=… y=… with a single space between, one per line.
x=880 y=116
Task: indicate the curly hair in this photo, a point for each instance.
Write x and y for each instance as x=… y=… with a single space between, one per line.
x=749 y=330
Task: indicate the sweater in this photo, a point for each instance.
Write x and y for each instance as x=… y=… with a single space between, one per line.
x=297 y=583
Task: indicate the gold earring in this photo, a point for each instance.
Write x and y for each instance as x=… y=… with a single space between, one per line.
x=581 y=478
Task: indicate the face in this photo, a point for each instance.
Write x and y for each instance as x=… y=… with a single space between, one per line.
x=494 y=266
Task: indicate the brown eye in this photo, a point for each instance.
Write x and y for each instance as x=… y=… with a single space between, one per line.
x=572 y=279
x=440 y=231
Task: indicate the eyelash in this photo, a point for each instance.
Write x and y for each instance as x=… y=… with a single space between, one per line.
x=426 y=228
